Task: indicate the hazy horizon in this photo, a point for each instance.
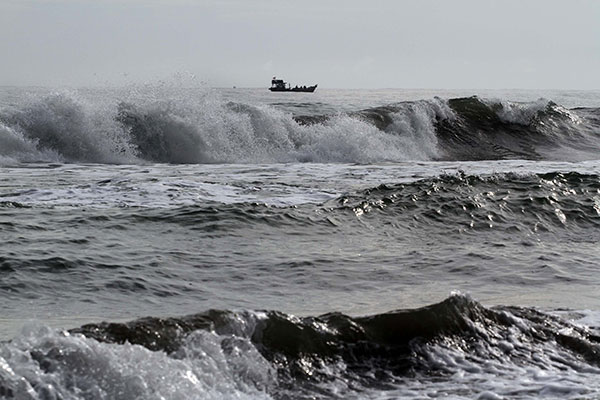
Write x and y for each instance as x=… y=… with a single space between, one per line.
x=467 y=44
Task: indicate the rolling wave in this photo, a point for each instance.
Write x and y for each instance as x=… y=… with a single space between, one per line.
x=270 y=354
x=507 y=202
x=63 y=128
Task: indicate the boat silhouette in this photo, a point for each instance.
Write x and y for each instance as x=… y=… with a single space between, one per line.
x=278 y=85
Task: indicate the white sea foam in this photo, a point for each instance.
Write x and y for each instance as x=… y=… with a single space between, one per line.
x=519 y=113
x=204 y=127
x=524 y=113
x=64 y=127
x=14 y=147
x=43 y=363
x=101 y=186
x=414 y=123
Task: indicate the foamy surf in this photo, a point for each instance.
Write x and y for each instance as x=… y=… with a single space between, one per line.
x=66 y=127
x=455 y=348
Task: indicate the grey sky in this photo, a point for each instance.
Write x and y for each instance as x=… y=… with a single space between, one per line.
x=343 y=44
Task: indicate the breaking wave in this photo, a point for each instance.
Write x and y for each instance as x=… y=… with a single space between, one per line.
x=62 y=127
x=458 y=344
x=59 y=128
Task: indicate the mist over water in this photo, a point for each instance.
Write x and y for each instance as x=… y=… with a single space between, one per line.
x=163 y=242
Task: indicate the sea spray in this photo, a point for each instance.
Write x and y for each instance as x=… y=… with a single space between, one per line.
x=62 y=124
x=67 y=127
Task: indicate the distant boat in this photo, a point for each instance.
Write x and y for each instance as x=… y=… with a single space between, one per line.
x=278 y=85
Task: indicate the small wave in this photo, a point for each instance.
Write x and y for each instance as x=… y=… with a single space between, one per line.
x=470 y=203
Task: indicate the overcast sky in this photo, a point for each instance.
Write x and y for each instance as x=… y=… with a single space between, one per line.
x=475 y=44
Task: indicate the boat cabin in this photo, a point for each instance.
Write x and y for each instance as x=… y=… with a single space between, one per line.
x=278 y=84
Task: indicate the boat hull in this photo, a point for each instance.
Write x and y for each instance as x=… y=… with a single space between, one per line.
x=308 y=89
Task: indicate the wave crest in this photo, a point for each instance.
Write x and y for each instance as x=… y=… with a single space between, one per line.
x=62 y=127
x=246 y=354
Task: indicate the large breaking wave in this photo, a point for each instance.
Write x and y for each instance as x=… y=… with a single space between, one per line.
x=62 y=127
x=456 y=348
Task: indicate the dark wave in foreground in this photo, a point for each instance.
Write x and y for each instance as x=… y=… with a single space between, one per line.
x=274 y=355
x=60 y=128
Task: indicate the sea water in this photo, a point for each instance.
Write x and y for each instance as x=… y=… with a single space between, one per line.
x=183 y=243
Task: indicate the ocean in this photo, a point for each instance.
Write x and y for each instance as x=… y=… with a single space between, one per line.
x=165 y=242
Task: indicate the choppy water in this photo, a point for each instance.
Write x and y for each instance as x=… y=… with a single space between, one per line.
x=176 y=243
